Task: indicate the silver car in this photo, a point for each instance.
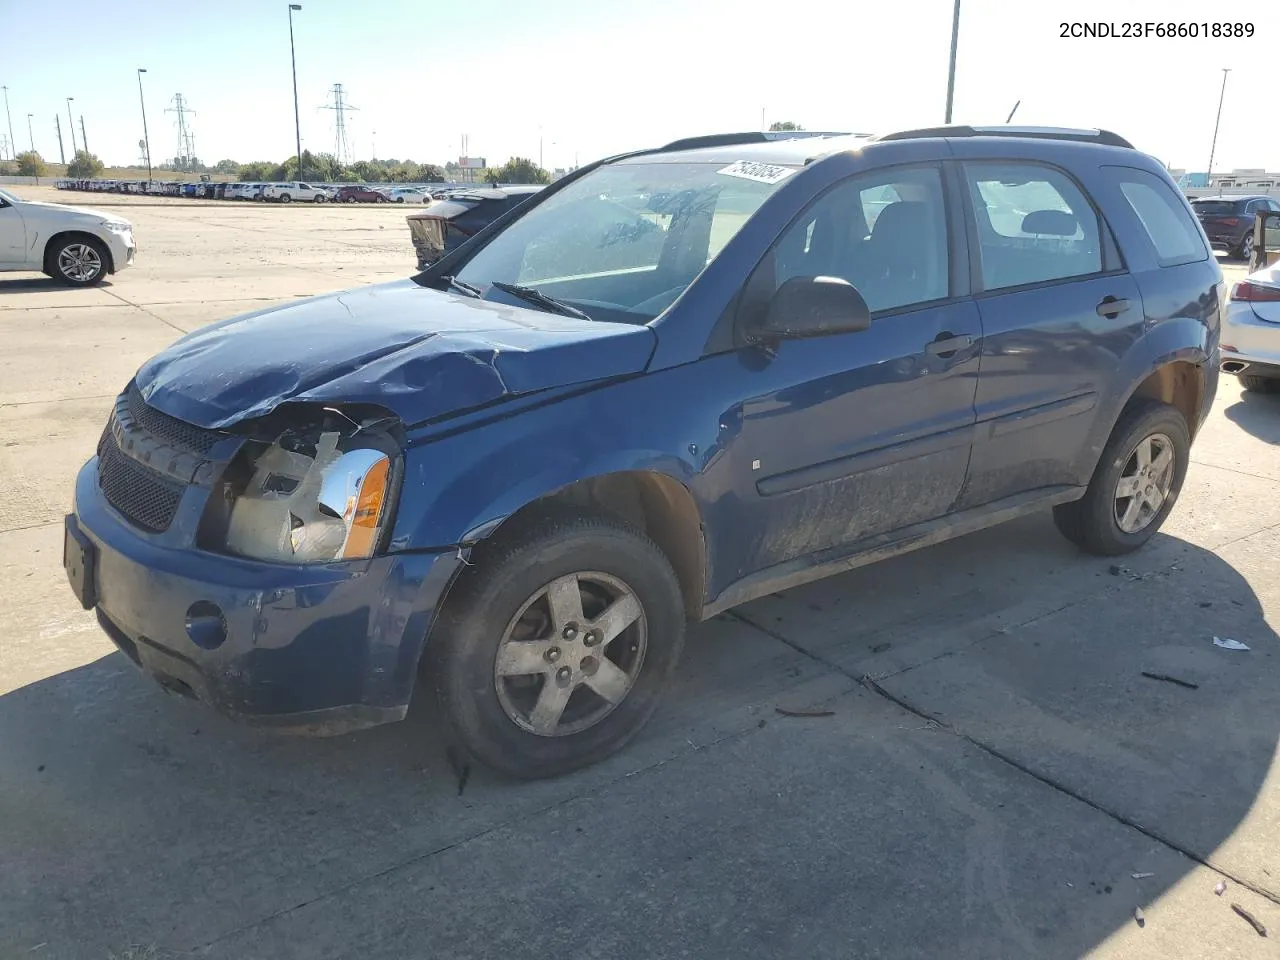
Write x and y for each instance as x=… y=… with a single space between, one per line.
x=1251 y=331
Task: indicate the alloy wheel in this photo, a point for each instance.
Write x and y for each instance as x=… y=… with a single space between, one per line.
x=79 y=262
x=1144 y=483
x=571 y=654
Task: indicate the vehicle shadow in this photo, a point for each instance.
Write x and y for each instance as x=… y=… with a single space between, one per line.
x=1258 y=414
x=41 y=284
x=131 y=816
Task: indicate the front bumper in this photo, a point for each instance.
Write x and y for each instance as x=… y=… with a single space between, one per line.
x=123 y=249
x=320 y=649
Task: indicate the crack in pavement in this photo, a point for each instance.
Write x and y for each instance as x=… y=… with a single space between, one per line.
x=137 y=306
x=1243 y=473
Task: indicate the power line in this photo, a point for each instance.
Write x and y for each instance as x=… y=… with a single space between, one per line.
x=341 y=148
x=186 y=137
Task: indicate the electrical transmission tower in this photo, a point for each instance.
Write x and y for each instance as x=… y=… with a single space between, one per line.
x=341 y=149
x=186 y=138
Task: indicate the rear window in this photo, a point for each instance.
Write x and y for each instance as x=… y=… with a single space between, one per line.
x=1171 y=230
x=1216 y=208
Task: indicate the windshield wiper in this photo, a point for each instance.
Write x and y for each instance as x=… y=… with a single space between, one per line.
x=533 y=295
x=463 y=287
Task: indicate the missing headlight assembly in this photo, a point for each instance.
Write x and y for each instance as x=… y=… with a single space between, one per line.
x=322 y=488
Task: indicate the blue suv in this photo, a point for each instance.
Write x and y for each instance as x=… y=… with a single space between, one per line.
x=672 y=382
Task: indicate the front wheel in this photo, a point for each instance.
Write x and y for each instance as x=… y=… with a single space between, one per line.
x=79 y=262
x=1135 y=484
x=1246 y=246
x=555 y=646
x=321 y=198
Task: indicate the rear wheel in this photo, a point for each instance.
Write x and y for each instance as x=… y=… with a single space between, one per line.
x=78 y=261
x=556 y=645
x=1259 y=384
x=285 y=198
x=1135 y=484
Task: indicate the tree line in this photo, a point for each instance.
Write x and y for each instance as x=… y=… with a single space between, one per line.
x=321 y=167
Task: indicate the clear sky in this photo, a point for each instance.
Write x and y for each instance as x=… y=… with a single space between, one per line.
x=593 y=78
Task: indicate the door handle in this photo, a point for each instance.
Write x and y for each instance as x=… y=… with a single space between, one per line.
x=1112 y=307
x=946 y=344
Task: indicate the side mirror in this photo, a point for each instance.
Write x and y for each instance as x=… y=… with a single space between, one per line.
x=813 y=307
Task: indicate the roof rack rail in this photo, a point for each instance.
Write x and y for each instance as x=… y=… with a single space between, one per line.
x=753 y=136
x=1105 y=137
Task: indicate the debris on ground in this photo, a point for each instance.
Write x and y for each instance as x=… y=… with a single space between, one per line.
x=881 y=647
x=1115 y=570
x=1168 y=679
x=805 y=713
x=1221 y=888
x=1226 y=643
x=1250 y=919
x=1142 y=876
x=1139 y=916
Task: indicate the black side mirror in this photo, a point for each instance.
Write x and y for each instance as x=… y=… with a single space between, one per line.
x=813 y=307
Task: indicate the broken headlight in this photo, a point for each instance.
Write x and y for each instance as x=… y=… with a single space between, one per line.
x=311 y=507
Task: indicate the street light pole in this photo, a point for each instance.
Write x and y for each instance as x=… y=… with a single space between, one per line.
x=1214 y=148
x=146 y=137
x=31 y=136
x=72 y=121
x=293 y=59
x=951 y=71
x=13 y=144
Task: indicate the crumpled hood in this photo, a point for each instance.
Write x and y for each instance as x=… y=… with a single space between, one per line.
x=417 y=352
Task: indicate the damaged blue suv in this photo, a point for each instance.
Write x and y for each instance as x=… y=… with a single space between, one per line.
x=675 y=381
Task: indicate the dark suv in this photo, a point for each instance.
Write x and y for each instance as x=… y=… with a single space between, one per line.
x=674 y=381
x=1228 y=221
x=450 y=222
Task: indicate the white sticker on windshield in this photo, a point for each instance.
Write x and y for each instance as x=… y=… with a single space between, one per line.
x=760 y=172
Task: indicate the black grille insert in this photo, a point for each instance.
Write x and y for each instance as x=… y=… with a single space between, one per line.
x=144 y=496
x=169 y=430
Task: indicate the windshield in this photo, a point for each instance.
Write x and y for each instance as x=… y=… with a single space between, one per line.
x=624 y=242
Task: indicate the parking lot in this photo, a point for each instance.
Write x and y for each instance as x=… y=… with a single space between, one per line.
x=984 y=770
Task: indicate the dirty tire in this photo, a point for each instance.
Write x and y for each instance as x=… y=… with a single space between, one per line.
x=1256 y=384
x=463 y=648
x=1090 y=522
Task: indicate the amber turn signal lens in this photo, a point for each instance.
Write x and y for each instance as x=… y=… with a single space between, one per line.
x=366 y=522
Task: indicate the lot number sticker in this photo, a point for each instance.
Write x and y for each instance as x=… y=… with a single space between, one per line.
x=760 y=172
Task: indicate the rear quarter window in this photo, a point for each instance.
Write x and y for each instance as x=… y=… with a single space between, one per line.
x=1171 y=229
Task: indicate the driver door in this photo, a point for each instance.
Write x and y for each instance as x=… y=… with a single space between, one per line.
x=844 y=437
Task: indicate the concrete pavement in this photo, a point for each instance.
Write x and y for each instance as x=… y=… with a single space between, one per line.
x=993 y=771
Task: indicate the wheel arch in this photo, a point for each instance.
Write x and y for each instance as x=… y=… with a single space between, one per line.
x=658 y=505
x=1172 y=363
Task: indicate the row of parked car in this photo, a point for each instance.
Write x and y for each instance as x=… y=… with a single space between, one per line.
x=280 y=192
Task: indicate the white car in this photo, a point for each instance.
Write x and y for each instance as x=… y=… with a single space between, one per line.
x=407 y=195
x=295 y=190
x=72 y=244
x=1250 y=338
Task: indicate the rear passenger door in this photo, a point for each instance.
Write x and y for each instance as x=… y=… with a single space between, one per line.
x=1058 y=311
